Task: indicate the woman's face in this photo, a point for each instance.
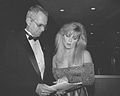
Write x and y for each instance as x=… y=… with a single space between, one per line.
x=70 y=39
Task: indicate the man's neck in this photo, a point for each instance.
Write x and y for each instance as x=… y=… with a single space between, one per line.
x=28 y=31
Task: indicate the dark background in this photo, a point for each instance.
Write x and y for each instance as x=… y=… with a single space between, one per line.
x=102 y=25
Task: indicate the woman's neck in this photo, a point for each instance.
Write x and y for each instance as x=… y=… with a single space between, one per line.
x=69 y=51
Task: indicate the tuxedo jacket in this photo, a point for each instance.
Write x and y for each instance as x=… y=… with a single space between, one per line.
x=21 y=72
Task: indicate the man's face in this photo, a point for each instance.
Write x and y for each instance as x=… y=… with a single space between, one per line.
x=38 y=24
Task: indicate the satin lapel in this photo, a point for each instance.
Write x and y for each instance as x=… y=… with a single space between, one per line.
x=46 y=57
x=30 y=53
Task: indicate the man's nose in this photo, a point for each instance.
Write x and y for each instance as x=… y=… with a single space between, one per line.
x=42 y=28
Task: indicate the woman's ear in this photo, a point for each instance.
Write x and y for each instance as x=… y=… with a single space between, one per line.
x=82 y=40
x=82 y=37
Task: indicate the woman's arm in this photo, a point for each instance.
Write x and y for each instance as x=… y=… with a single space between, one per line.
x=88 y=73
x=83 y=73
x=54 y=67
x=87 y=64
x=58 y=73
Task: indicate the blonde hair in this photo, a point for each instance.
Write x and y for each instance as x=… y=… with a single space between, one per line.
x=80 y=45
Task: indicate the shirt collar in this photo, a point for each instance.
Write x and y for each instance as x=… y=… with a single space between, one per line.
x=28 y=31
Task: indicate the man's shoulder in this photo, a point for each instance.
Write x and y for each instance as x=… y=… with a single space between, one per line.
x=13 y=35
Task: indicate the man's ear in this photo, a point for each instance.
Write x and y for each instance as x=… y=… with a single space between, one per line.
x=28 y=21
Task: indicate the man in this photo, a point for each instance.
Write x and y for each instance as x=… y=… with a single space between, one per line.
x=27 y=59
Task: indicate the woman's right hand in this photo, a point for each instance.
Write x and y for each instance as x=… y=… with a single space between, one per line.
x=59 y=93
x=63 y=79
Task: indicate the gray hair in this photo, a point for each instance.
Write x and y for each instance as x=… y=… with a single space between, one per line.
x=35 y=9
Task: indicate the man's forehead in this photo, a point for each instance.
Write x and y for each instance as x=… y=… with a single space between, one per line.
x=40 y=13
x=35 y=15
x=41 y=17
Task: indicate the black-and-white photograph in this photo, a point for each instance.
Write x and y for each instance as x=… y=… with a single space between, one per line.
x=59 y=48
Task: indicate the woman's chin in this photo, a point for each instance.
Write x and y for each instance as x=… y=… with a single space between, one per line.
x=68 y=47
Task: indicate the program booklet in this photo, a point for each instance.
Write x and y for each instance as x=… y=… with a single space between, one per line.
x=63 y=86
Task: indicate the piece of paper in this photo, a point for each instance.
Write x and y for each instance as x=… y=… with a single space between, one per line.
x=64 y=85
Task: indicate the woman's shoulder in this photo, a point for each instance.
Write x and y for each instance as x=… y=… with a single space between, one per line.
x=54 y=57
x=87 y=57
x=86 y=52
x=56 y=62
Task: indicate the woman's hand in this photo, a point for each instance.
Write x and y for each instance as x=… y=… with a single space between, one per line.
x=63 y=79
x=59 y=93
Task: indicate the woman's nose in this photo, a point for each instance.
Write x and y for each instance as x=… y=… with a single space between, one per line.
x=70 y=40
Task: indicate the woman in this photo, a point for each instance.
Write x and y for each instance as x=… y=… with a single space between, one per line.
x=72 y=61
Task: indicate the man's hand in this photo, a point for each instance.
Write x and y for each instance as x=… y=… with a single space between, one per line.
x=43 y=90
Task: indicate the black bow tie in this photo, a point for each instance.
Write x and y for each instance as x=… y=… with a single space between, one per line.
x=31 y=37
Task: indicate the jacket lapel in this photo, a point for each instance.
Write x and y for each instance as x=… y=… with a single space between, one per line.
x=30 y=53
x=47 y=61
x=33 y=61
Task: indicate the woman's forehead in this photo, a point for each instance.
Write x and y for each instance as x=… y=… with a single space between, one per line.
x=70 y=27
x=71 y=30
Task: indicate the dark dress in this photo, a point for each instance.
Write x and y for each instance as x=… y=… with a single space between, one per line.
x=84 y=74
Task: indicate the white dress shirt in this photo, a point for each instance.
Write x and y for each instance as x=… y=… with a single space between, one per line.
x=36 y=47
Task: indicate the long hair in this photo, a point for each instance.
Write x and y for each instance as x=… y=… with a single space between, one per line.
x=80 y=45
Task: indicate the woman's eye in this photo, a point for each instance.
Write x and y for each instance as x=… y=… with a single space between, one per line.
x=68 y=35
x=75 y=37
